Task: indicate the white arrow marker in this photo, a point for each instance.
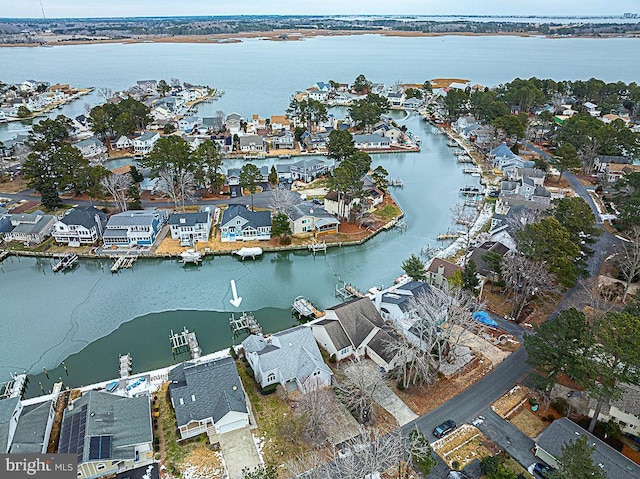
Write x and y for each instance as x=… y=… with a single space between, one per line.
x=236 y=299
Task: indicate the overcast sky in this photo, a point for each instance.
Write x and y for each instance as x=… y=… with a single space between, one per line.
x=122 y=8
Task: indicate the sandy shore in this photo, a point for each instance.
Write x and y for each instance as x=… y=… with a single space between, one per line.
x=289 y=35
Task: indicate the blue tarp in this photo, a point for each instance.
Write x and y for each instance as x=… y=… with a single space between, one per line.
x=484 y=318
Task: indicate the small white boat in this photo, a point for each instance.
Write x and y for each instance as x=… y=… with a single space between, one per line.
x=191 y=256
x=249 y=252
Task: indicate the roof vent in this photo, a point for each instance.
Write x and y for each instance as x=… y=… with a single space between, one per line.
x=235 y=388
x=183 y=220
x=290 y=345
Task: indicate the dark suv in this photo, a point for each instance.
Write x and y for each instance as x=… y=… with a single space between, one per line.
x=444 y=428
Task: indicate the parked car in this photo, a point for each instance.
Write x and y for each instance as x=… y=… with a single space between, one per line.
x=444 y=428
x=540 y=470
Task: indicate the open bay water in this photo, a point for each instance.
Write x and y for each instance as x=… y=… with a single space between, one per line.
x=45 y=318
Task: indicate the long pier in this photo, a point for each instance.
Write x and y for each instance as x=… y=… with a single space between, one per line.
x=186 y=340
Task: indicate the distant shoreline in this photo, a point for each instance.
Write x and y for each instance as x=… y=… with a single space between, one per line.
x=299 y=35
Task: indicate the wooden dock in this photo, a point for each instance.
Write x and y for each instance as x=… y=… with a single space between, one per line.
x=66 y=261
x=448 y=236
x=304 y=308
x=125 y=261
x=245 y=323
x=3 y=255
x=185 y=341
x=315 y=247
x=125 y=365
x=347 y=291
x=397 y=183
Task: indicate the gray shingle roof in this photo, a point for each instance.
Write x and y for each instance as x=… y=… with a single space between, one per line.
x=92 y=140
x=84 y=216
x=254 y=218
x=215 y=385
x=133 y=218
x=294 y=352
x=336 y=332
x=562 y=431
x=30 y=432
x=127 y=420
x=190 y=219
x=7 y=406
x=306 y=208
x=380 y=345
x=147 y=135
x=31 y=228
x=358 y=318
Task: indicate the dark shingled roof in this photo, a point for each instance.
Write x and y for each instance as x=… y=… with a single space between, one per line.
x=254 y=218
x=215 y=386
x=31 y=428
x=380 y=345
x=358 y=318
x=190 y=219
x=85 y=216
x=7 y=406
x=562 y=431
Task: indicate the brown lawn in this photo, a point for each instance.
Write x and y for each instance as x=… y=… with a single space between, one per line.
x=529 y=423
x=13 y=186
x=463 y=446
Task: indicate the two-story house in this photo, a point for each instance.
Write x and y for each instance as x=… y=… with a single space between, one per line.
x=143 y=144
x=308 y=170
x=240 y=224
x=191 y=228
x=133 y=228
x=307 y=217
x=81 y=225
x=31 y=228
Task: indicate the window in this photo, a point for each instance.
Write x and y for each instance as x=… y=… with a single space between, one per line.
x=181 y=402
x=271 y=377
x=100 y=466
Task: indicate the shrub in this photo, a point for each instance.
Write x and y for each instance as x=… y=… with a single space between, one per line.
x=270 y=389
x=533 y=401
x=285 y=240
x=400 y=384
x=332 y=358
x=232 y=352
x=561 y=405
x=455 y=465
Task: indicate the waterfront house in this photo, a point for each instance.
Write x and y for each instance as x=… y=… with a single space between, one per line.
x=291 y=358
x=536 y=175
x=80 y=225
x=193 y=141
x=251 y=143
x=395 y=304
x=284 y=172
x=5 y=223
x=525 y=192
x=91 y=147
x=31 y=435
x=591 y=108
x=371 y=142
x=441 y=270
x=123 y=143
x=148 y=86
x=549 y=444
x=283 y=141
x=143 y=144
x=483 y=268
x=240 y=224
x=308 y=170
x=279 y=123
x=211 y=124
x=189 y=123
x=30 y=228
x=133 y=228
x=353 y=330
x=190 y=228
x=233 y=177
x=108 y=433
x=233 y=122
x=504 y=159
x=388 y=131
x=208 y=397
x=307 y=217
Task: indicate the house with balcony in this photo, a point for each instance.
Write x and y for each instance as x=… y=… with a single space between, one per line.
x=30 y=228
x=308 y=170
x=133 y=228
x=240 y=224
x=108 y=433
x=251 y=143
x=191 y=228
x=307 y=217
x=80 y=225
x=91 y=147
x=143 y=144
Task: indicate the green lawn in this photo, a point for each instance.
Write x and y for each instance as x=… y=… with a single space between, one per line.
x=388 y=212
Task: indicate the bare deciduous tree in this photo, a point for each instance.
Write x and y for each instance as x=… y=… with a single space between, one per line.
x=525 y=278
x=104 y=93
x=522 y=218
x=463 y=219
x=629 y=259
x=282 y=201
x=314 y=408
x=588 y=154
x=356 y=391
x=179 y=186
x=117 y=186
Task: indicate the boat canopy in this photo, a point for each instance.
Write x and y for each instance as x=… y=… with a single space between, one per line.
x=484 y=318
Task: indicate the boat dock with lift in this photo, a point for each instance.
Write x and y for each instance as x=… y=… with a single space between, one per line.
x=249 y=252
x=315 y=247
x=245 y=323
x=15 y=387
x=397 y=182
x=125 y=261
x=125 y=365
x=347 y=291
x=66 y=261
x=186 y=340
x=191 y=256
x=304 y=308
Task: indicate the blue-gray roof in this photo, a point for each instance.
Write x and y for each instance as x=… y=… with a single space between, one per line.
x=306 y=164
x=7 y=406
x=255 y=219
x=503 y=151
x=28 y=226
x=31 y=428
x=371 y=138
x=188 y=219
x=84 y=216
x=306 y=208
x=562 y=431
x=92 y=140
x=208 y=390
x=283 y=168
x=294 y=352
x=147 y=135
x=126 y=420
x=133 y=218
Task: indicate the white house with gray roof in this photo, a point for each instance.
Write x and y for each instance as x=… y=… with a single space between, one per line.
x=81 y=225
x=371 y=141
x=307 y=217
x=34 y=428
x=208 y=397
x=91 y=147
x=107 y=433
x=396 y=303
x=240 y=224
x=143 y=144
x=354 y=329
x=252 y=143
x=190 y=228
x=308 y=170
x=133 y=228
x=506 y=160
x=30 y=228
x=290 y=357
x=549 y=445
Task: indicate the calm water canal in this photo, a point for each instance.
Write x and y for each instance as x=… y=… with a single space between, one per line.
x=89 y=313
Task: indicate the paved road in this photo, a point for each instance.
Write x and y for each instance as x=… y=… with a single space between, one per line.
x=508 y=437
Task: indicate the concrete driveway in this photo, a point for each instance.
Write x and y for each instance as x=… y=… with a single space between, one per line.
x=239 y=451
x=383 y=395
